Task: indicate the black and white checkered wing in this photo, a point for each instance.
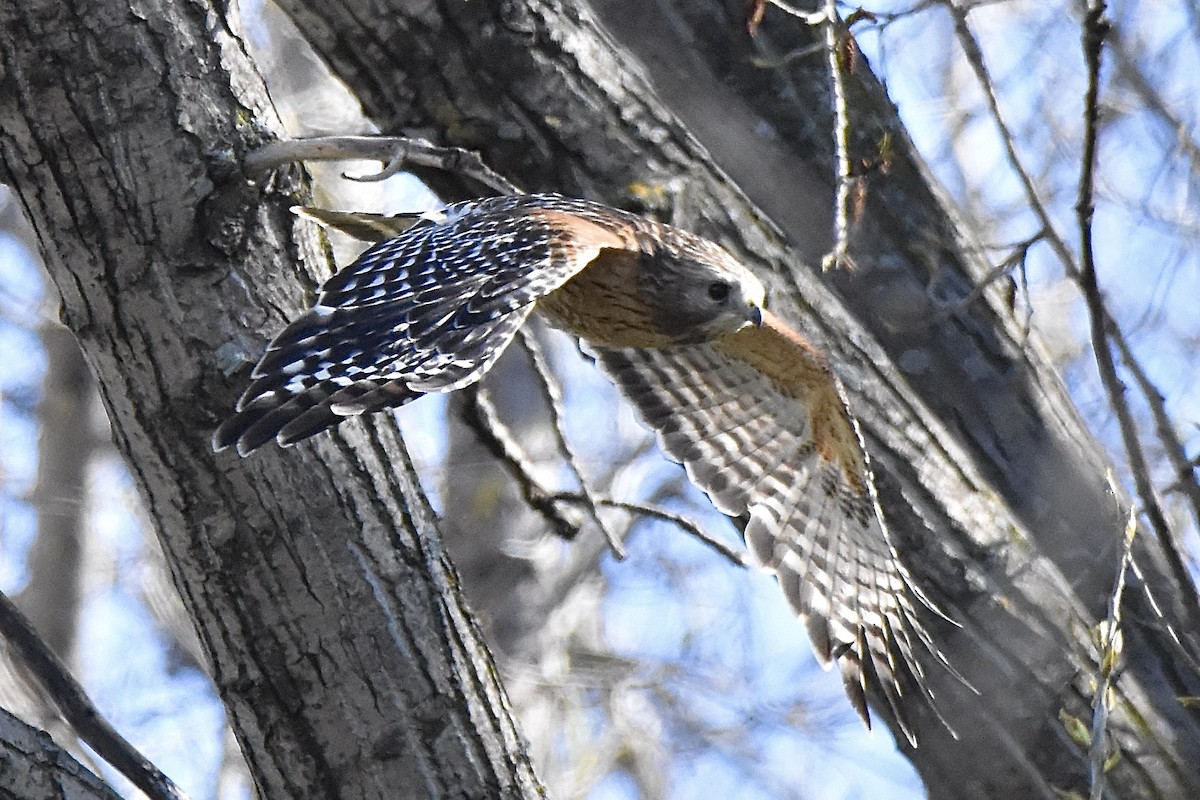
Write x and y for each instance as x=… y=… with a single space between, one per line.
x=427 y=311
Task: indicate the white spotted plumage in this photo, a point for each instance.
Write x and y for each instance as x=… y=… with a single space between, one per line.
x=745 y=403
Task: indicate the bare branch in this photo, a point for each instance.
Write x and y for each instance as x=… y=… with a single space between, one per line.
x=764 y=62
x=809 y=17
x=1182 y=650
x=78 y=709
x=1095 y=27
x=1185 y=478
x=553 y=397
x=1109 y=644
x=735 y=556
x=974 y=56
x=1016 y=258
x=480 y=415
x=395 y=152
x=835 y=36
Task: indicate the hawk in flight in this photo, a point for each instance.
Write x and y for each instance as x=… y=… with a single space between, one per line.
x=746 y=404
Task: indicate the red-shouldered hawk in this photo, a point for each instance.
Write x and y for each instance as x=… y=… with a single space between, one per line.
x=745 y=403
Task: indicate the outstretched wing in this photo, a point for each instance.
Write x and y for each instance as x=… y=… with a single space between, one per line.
x=427 y=311
x=760 y=424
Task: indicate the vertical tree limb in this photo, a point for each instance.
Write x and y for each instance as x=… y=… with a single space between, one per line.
x=337 y=636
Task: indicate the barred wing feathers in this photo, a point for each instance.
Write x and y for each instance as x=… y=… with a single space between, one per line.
x=759 y=422
x=429 y=310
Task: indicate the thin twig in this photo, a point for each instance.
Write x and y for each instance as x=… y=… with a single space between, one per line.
x=736 y=557
x=553 y=397
x=77 y=708
x=1182 y=649
x=480 y=415
x=1185 y=478
x=974 y=56
x=763 y=62
x=1095 y=27
x=1014 y=259
x=809 y=17
x=1109 y=645
x=882 y=19
x=395 y=152
x=839 y=256
x=1103 y=324
x=835 y=37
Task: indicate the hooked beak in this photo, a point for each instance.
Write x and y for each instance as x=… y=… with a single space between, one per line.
x=756 y=315
x=754 y=301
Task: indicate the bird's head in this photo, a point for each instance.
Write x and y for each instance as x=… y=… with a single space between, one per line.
x=703 y=293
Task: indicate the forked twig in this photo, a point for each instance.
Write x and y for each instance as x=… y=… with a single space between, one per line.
x=974 y=55
x=736 y=557
x=553 y=397
x=480 y=415
x=1095 y=28
x=394 y=152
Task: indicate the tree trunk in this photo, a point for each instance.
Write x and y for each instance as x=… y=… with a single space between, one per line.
x=334 y=626
x=994 y=487
x=33 y=767
x=335 y=631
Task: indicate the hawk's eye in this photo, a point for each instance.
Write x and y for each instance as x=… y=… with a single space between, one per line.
x=718 y=291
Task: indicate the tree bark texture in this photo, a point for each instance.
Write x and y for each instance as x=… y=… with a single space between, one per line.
x=992 y=485
x=33 y=767
x=333 y=623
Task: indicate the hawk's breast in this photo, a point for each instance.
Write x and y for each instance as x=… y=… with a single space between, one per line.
x=605 y=305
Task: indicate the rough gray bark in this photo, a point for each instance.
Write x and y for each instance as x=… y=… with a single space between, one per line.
x=993 y=485
x=332 y=620
x=33 y=767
